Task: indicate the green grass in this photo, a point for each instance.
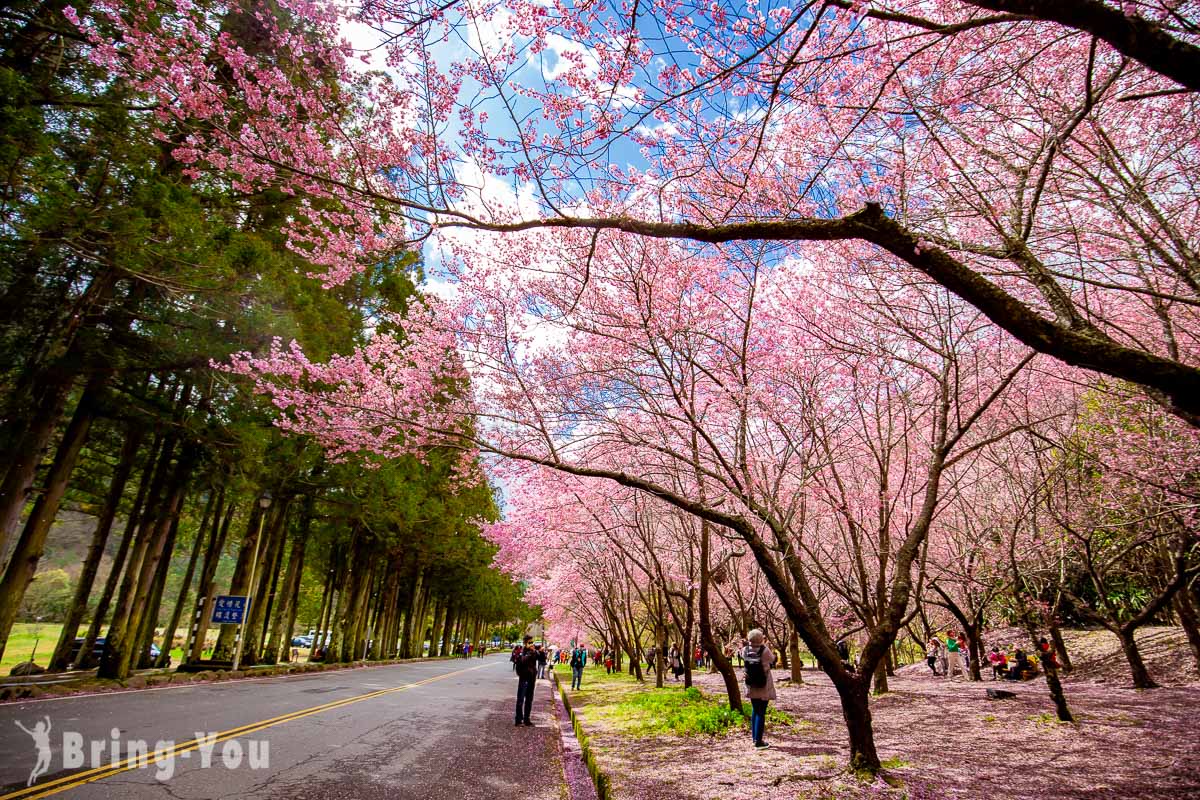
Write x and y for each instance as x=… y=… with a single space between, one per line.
x=1046 y=719
x=21 y=643
x=896 y=762
x=620 y=703
x=670 y=710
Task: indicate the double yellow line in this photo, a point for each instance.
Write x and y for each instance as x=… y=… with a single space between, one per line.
x=75 y=779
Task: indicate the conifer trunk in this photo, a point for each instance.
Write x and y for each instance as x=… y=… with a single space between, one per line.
x=132 y=525
x=91 y=562
x=198 y=633
x=164 y=657
x=24 y=561
x=239 y=582
x=281 y=630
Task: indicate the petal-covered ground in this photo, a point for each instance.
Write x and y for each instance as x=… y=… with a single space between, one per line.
x=943 y=739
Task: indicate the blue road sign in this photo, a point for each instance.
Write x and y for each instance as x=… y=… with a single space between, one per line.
x=229 y=609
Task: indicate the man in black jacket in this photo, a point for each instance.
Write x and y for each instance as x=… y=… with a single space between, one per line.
x=527 y=668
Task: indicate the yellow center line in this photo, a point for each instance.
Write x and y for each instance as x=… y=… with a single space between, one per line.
x=75 y=779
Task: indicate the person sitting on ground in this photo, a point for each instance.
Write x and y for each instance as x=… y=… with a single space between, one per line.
x=760 y=689
x=999 y=662
x=1019 y=666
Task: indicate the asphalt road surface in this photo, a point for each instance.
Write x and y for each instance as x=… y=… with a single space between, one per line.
x=440 y=729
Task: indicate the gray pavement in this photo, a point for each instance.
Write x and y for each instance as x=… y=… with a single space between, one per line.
x=431 y=730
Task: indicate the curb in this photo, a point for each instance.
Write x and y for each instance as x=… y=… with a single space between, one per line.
x=602 y=782
x=164 y=680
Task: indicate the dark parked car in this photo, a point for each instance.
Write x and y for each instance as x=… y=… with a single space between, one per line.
x=98 y=650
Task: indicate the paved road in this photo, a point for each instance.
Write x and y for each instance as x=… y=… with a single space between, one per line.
x=423 y=730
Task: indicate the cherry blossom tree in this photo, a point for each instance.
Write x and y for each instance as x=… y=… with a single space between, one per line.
x=1001 y=148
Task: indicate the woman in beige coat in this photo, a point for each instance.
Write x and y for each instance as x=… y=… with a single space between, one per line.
x=760 y=688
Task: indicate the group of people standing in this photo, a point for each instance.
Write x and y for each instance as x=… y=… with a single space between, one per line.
x=530 y=662
x=533 y=661
x=951 y=653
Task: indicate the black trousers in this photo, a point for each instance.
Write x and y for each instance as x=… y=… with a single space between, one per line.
x=525 y=697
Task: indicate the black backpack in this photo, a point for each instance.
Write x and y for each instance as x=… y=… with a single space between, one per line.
x=756 y=672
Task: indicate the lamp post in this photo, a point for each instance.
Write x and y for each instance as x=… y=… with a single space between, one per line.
x=264 y=503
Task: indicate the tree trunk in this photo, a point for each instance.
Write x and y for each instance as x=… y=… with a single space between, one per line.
x=439 y=622
x=194 y=651
x=689 y=652
x=1189 y=619
x=239 y=582
x=733 y=690
x=413 y=599
x=271 y=610
x=974 y=649
x=856 y=710
x=91 y=562
x=84 y=659
x=27 y=454
x=881 y=677
x=451 y=621
x=1137 y=667
x=119 y=652
x=53 y=386
x=28 y=552
x=281 y=629
x=797 y=666
x=269 y=552
x=154 y=605
x=164 y=657
x=1060 y=647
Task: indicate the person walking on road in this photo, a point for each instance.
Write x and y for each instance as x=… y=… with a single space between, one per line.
x=758 y=659
x=526 y=665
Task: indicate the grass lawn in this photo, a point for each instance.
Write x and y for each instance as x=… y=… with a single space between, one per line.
x=621 y=705
x=21 y=642
x=24 y=634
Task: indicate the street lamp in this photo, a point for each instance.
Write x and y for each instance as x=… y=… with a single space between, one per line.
x=264 y=502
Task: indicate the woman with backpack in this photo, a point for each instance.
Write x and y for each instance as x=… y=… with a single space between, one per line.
x=758 y=659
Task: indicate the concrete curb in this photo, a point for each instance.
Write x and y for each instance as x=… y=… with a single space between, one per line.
x=602 y=782
x=166 y=679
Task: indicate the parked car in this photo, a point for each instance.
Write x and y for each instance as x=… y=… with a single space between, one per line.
x=98 y=650
x=302 y=641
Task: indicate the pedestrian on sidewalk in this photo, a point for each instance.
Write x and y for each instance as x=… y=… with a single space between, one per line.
x=541 y=660
x=526 y=665
x=758 y=658
x=578 y=659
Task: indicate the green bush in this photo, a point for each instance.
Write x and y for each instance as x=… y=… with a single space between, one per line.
x=48 y=597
